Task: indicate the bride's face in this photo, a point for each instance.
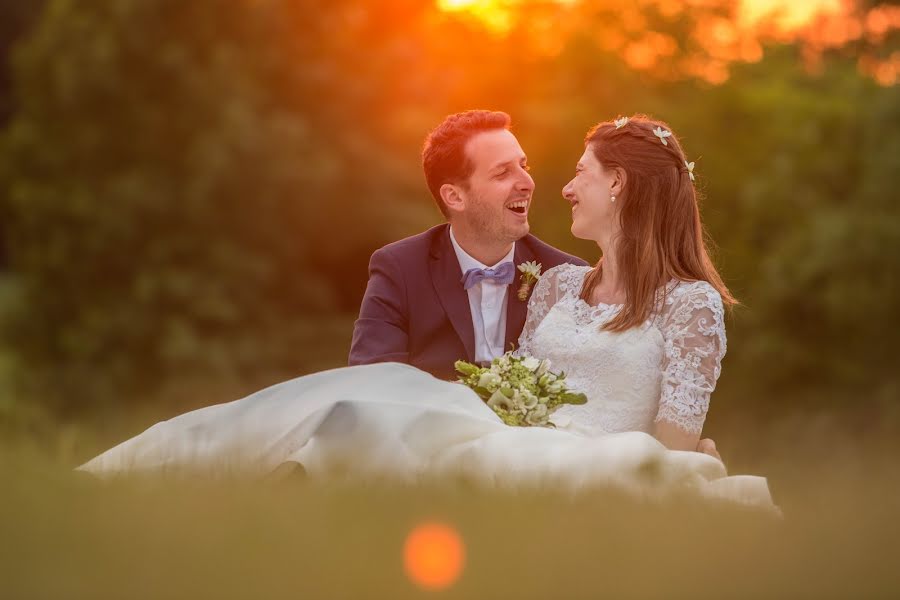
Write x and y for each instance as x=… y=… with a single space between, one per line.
x=589 y=193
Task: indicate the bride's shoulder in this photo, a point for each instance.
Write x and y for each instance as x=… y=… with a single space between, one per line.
x=692 y=296
x=565 y=276
x=693 y=310
x=566 y=270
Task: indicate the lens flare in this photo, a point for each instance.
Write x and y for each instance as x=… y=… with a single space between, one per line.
x=433 y=555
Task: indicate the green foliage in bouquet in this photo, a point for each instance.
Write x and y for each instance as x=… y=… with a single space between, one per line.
x=521 y=390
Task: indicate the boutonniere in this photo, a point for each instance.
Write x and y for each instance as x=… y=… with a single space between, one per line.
x=531 y=272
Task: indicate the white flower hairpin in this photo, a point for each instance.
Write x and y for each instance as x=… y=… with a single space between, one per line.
x=662 y=134
x=690 y=169
x=619 y=123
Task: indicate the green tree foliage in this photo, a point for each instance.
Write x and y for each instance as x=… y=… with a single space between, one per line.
x=182 y=178
x=16 y=18
x=828 y=282
x=184 y=184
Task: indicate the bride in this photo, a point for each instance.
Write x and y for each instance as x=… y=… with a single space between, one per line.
x=642 y=334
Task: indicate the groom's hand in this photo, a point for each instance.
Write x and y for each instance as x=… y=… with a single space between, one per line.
x=707 y=446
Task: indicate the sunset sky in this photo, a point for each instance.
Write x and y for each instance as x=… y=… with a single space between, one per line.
x=788 y=13
x=817 y=24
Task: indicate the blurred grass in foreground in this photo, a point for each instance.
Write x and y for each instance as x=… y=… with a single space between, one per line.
x=67 y=535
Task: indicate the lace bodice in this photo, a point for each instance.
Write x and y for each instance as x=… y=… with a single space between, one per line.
x=664 y=370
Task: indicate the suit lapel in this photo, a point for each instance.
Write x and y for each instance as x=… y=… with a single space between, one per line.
x=446 y=276
x=515 y=308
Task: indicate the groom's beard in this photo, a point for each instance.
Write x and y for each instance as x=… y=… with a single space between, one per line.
x=491 y=222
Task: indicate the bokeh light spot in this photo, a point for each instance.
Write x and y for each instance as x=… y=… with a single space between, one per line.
x=433 y=555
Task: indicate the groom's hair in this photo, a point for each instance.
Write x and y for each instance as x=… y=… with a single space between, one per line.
x=444 y=158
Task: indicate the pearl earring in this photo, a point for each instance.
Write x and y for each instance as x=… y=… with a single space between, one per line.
x=612 y=197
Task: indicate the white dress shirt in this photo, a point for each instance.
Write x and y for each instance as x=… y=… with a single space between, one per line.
x=487 y=302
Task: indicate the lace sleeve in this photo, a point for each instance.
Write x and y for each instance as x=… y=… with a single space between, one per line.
x=548 y=290
x=693 y=326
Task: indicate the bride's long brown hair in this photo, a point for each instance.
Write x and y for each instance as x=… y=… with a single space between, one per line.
x=662 y=237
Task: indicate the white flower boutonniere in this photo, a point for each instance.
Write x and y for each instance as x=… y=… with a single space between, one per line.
x=531 y=272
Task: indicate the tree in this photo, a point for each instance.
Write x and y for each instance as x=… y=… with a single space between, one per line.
x=180 y=179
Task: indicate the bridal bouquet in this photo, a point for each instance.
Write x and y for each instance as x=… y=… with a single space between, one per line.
x=521 y=390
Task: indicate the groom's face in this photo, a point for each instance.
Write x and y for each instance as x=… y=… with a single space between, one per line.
x=497 y=195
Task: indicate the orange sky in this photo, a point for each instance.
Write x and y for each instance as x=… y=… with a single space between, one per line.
x=818 y=24
x=788 y=14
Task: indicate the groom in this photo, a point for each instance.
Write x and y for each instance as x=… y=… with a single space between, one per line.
x=451 y=292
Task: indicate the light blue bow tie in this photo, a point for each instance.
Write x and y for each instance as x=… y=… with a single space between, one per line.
x=504 y=273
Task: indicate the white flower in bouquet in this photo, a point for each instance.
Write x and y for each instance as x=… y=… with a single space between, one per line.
x=499 y=400
x=521 y=390
x=529 y=400
x=531 y=363
x=539 y=416
x=490 y=380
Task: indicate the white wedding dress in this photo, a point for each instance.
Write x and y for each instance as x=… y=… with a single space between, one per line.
x=392 y=421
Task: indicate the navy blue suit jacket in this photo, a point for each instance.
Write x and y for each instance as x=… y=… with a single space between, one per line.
x=416 y=311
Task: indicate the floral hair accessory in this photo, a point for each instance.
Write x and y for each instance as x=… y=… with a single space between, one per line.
x=619 y=123
x=690 y=169
x=662 y=134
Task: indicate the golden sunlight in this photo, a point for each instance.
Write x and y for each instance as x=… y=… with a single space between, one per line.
x=787 y=14
x=495 y=14
x=453 y=5
x=736 y=34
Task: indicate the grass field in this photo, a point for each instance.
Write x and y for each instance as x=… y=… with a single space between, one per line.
x=66 y=535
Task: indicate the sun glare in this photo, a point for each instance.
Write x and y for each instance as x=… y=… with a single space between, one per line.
x=495 y=14
x=726 y=38
x=787 y=14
